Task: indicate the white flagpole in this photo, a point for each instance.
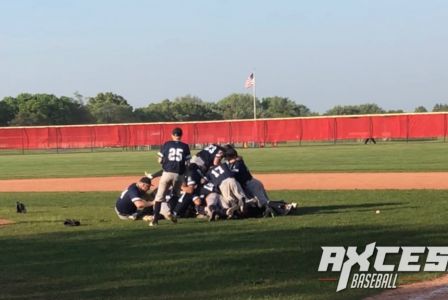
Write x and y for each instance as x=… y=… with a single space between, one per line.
x=253 y=93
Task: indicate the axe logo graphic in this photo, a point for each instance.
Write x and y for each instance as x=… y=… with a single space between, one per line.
x=343 y=259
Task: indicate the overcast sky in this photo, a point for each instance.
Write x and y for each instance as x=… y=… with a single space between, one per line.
x=315 y=52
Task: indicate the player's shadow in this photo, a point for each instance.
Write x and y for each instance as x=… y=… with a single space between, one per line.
x=334 y=209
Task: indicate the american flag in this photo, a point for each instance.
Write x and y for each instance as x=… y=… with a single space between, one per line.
x=250 y=81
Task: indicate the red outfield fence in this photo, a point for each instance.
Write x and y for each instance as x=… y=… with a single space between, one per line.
x=393 y=126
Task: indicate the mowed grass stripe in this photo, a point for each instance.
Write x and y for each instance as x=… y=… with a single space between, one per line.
x=106 y=258
x=382 y=157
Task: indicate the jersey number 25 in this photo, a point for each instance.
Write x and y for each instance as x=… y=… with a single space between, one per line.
x=175 y=154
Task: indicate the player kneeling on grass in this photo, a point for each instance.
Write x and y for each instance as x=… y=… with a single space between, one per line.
x=135 y=202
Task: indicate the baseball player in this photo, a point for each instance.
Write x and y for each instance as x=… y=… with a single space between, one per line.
x=223 y=179
x=134 y=202
x=174 y=156
x=252 y=186
x=215 y=205
x=191 y=185
x=206 y=157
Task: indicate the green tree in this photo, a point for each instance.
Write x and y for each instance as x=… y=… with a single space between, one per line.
x=110 y=108
x=363 y=109
x=395 y=111
x=370 y=108
x=238 y=106
x=420 y=109
x=46 y=109
x=156 y=112
x=440 y=107
x=343 y=110
x=191 y=108
x=7 y=112
x=186 y=108
x=277 y=107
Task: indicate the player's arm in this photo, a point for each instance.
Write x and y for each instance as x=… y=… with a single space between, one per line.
x=161 y=154
x=154 y=175
x=141 y=203
x=189 y=186
x=187 y=155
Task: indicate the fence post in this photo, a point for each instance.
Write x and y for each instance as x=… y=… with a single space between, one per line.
x=445 y=127
x=91 y=138
x=407 y=128
x=57 y=140
x=335 y=130
x=23 y=143
x=229 y=125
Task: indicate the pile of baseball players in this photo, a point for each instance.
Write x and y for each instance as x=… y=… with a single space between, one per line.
x=214 y=184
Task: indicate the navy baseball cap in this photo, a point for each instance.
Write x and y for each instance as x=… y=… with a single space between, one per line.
x=177 y=131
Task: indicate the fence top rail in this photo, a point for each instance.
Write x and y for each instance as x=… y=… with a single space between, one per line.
x=231 y=121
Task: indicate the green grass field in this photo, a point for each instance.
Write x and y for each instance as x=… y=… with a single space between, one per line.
x=385 y=157
x=106 y=258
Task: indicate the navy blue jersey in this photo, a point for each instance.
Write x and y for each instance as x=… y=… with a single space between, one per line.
x=217 y=174
x=205 y=190
x=125 y=203
x=240 y=171
x=174 y=155
x=193 y=177
x=209 y=153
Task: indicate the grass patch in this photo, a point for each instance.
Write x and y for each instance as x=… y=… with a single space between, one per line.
x=384 y=157
x=106 y=258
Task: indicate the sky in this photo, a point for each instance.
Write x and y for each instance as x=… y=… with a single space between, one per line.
x=319 y=53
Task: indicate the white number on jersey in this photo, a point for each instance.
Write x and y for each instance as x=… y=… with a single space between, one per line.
x=210 y=149
x=175 y=154
x=209 y=186
x=217 y=171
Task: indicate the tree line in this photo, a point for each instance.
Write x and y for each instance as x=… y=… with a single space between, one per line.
x=47 y=109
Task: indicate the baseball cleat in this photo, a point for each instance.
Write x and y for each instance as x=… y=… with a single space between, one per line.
x=268 y=212
x=172 y=218
x=288 y=208
x=213 y=216
x=148 y=218
x=153 y=223
x=230 y=211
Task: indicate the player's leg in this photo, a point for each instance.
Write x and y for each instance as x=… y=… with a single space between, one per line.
x=257 y=189
x=228 y=201
x=183 y=203
x=165 y=182
x=212 y=206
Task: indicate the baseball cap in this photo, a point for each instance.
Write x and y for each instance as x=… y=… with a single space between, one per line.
x=145 y=180
x=231 y=153
x=177 y=131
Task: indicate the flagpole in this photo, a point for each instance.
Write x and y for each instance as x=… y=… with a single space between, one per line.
x=255 y=101
x=255 y=110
